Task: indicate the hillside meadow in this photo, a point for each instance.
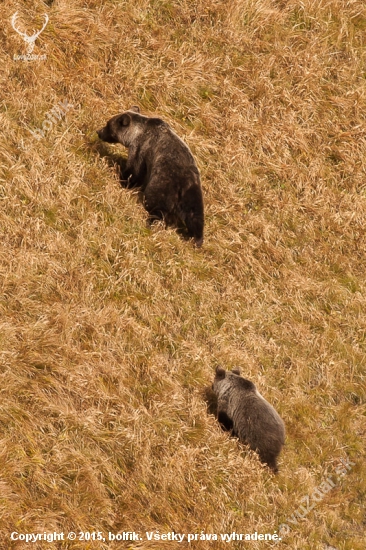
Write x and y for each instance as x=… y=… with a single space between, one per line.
x=110 y=330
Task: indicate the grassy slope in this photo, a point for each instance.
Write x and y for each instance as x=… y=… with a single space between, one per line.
x=109 y=331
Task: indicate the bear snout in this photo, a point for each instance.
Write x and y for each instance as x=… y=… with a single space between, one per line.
x=105 y=135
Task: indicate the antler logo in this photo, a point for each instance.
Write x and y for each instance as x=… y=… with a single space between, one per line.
x=30 y=40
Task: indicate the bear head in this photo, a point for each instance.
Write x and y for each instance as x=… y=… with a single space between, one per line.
x=121 y=128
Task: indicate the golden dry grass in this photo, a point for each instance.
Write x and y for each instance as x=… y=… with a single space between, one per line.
x=109 y=331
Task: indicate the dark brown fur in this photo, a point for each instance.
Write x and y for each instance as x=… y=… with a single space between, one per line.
x=162 y=165
x=254 y=421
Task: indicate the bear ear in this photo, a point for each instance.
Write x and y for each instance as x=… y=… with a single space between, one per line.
x=236 y=371
x=134 y=108
x=125 y=119
x=220 y=373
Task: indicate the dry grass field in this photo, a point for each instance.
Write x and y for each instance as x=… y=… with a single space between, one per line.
x=110 y=331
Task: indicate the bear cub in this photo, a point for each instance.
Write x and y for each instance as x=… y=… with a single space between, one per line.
x=253 y=420
x=162 y=165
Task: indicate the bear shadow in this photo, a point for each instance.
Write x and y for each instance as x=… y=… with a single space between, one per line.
x=114 y=160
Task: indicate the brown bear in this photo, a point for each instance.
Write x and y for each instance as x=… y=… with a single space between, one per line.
x=162 y=165
x=253 y=420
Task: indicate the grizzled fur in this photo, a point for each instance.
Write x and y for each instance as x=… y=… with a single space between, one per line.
x=254 y=421
x=162 y=165
x=211 y=401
